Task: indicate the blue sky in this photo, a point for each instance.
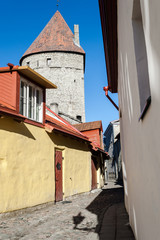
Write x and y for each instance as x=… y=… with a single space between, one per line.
x=21 y=22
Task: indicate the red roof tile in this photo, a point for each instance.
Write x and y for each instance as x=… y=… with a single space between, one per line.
x=89 y=126
x=56 y=36
x=63 y=126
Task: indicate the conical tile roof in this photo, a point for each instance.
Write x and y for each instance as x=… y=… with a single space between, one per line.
x=56 y=36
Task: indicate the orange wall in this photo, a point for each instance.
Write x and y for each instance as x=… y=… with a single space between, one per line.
x=93 y=135
x=8 y=83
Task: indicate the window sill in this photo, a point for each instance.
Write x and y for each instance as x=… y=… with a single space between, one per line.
x=143 y=113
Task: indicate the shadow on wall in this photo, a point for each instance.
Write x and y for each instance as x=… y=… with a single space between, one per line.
x=10 y=125
x=68 y=141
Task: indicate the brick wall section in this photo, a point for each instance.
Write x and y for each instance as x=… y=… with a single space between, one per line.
x=66 y=70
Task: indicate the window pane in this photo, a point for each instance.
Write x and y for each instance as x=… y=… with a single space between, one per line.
x=30 y=103
x=33 y=103
x=37 y=105
x=48 y=61
x=23 y=98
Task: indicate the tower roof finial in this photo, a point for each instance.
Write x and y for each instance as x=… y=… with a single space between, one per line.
x=58 y=4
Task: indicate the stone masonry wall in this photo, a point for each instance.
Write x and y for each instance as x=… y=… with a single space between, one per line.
x=66 y=70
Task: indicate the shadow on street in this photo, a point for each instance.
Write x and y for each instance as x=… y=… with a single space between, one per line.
x=106 y=200
x=101 y=203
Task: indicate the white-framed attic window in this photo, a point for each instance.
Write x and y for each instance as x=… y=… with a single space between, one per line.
x=31 y=101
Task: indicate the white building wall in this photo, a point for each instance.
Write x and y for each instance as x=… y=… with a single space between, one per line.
x=66 y=70
x=140 y=139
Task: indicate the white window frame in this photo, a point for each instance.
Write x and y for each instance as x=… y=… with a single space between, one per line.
x=35 y=88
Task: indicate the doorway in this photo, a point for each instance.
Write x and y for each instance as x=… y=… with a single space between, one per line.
x=58 y=176
x=94 y=172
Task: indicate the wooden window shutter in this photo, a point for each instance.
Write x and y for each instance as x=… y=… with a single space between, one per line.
x=8 y=83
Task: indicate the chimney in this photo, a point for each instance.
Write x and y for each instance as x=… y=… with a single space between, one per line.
x=76 y=34
x=54 y=107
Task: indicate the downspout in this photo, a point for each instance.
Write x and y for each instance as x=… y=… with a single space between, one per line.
x=110 y=99
x=10 y=65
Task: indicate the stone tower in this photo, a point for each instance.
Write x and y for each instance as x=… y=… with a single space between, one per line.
x=57 y=55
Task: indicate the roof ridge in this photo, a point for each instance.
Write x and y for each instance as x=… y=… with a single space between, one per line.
x=67 y=123
x=89 y=125
x=55 y=124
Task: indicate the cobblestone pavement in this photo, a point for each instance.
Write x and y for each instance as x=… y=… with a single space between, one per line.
x=77 y=218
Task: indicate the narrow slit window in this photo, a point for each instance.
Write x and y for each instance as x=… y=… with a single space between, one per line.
x=79 y=117
x=49 y=62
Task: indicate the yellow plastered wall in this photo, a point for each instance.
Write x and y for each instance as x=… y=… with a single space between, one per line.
x=27 y=173
x=26 y=166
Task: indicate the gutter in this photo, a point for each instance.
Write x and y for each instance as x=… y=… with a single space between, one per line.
x=109 y=98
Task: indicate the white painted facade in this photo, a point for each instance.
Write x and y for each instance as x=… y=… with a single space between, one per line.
x=66 y=70
x=140 y=139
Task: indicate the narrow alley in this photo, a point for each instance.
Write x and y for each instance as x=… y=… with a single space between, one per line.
x=99 y=214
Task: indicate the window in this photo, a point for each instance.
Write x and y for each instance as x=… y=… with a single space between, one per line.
x=48 y=61
x=28 y=64
x=31 y=104
x=141 y=59
x=79 y=117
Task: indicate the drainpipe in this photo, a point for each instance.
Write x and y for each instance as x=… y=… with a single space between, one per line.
x=110 y=99
x=10 y=65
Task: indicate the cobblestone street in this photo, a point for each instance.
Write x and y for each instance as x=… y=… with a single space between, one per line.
x=79 y=217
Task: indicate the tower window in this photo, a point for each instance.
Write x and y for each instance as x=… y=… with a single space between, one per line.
x=48 y=61
x=28 y=64
x=79 y=117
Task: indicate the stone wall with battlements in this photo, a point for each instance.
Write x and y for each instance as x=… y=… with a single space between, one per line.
x=66 y=70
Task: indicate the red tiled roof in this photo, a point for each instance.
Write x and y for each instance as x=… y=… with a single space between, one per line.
x=96 y=147
x=88 y=126
x=63 y=126
x=56 y=36
x=28 y=72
